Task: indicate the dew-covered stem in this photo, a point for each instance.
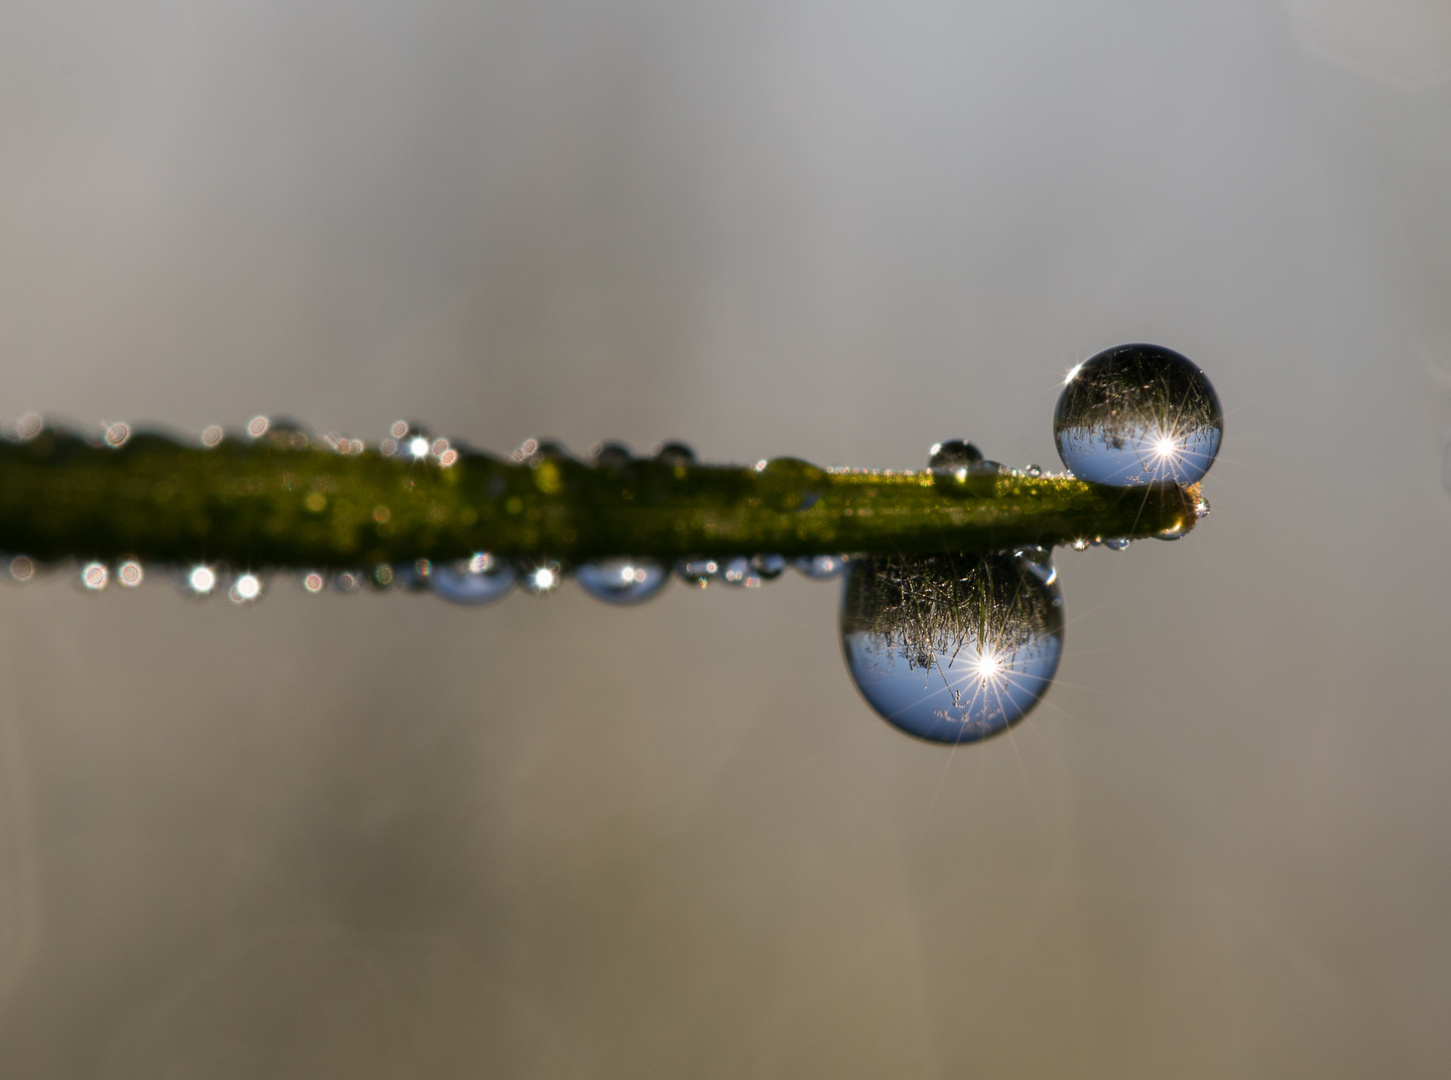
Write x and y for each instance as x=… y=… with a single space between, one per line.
x=274 y=503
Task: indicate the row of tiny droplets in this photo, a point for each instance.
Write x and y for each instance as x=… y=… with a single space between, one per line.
x=464 y=580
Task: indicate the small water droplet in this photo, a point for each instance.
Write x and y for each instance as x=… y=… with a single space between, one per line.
x=770 y=567
x=1201 y=508
x=257 y=426
x=348 y=581
x=739 y=572
x=29 y=426
x=1117 y=543
x=22 y=568
x=611 y=455
x=117 y=434
x=822 y=567
x=1034 y=471
x=480 y=579
x=212 y=436
x=698 y=570
x=952 y=454
x=94 y=576
x=1138 y=414
x=130 y=573
x=673 y=453
x=1078 y=545
x=314 y=582
x=621 y=580
x=201 y=580
x=382 y=576
x=951 y=649
x=245 y=589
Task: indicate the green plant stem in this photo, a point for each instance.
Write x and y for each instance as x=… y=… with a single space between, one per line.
x=271 y=504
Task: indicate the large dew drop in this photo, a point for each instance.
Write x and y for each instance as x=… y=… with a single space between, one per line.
x=1137 y=414
x=952 y=648
x=623 y=580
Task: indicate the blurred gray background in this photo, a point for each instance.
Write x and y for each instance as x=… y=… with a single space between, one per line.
x=379 y=836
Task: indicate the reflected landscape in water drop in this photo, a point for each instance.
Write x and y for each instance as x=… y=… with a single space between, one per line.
x=481 y=579
x=953 y=648
x=1138 y=414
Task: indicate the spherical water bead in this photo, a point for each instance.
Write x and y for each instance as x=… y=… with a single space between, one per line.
x=673 y=453
x=1034 y=471
x=1117 y=543
x=739 y=572
x=699 y=570
x=539 y=576
x=611 y=455
x=245 y=589
x=130 y=574
x=952 y=454
x=769 y=567
x=949 y=648
x=622 y=580
x=822 y=567
x=313 y=581
x=95 y=576
x=1137 y=414
x=481 y=579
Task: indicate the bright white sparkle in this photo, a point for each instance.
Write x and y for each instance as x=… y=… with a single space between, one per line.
x=247 y=587
x=1072 y=374
x=202 y=580
x=989 y=666
x=544 y=579
x=418 y=447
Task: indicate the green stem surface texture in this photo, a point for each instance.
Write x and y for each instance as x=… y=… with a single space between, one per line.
x=275 y=503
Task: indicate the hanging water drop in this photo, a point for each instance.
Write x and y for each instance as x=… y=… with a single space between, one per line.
x=698 y=570
x=314 y=582
x=201 y=580
x=822 y=567
x=94 y=576
x=1138 y=414
x=480 y=579
x=1117 y=544
x=130 y=574
x=622 y=580
x=739 y=572
x=951 y=648
x=245 y=589
x=769 y=567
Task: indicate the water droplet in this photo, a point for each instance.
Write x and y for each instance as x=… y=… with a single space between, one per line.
x=399 y=429
x=698 y=570
x=201 y=580
x=314 y=582
x=611 y=455
x=382 y=576
x=480 y=579
x=94 y=576
x=539 y=576
x=29 y=426
x=622 y=580
x=117 y=434
x=822 y=567
x=1034 y=471
x=673 y=453
x=738 y=571
x=130 y=573
x=1079 y=545
x=952 y=454
x=1117 y=543
x=257 y=426
x=770 y=567
x=413 y=576
x=951 y=649
x=1201 y=508
x=22 y=568
x=349 y=581
x=212 y=436
x=1138 y=414
x=245 y=588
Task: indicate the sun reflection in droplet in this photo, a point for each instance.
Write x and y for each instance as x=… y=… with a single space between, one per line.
x=94 y=576
x=201 y=580
x=130 y=574
x=246 y=588
x=313 y=582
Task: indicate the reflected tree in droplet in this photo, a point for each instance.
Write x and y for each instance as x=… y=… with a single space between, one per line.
x=953 y=648
x=1138 y=414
